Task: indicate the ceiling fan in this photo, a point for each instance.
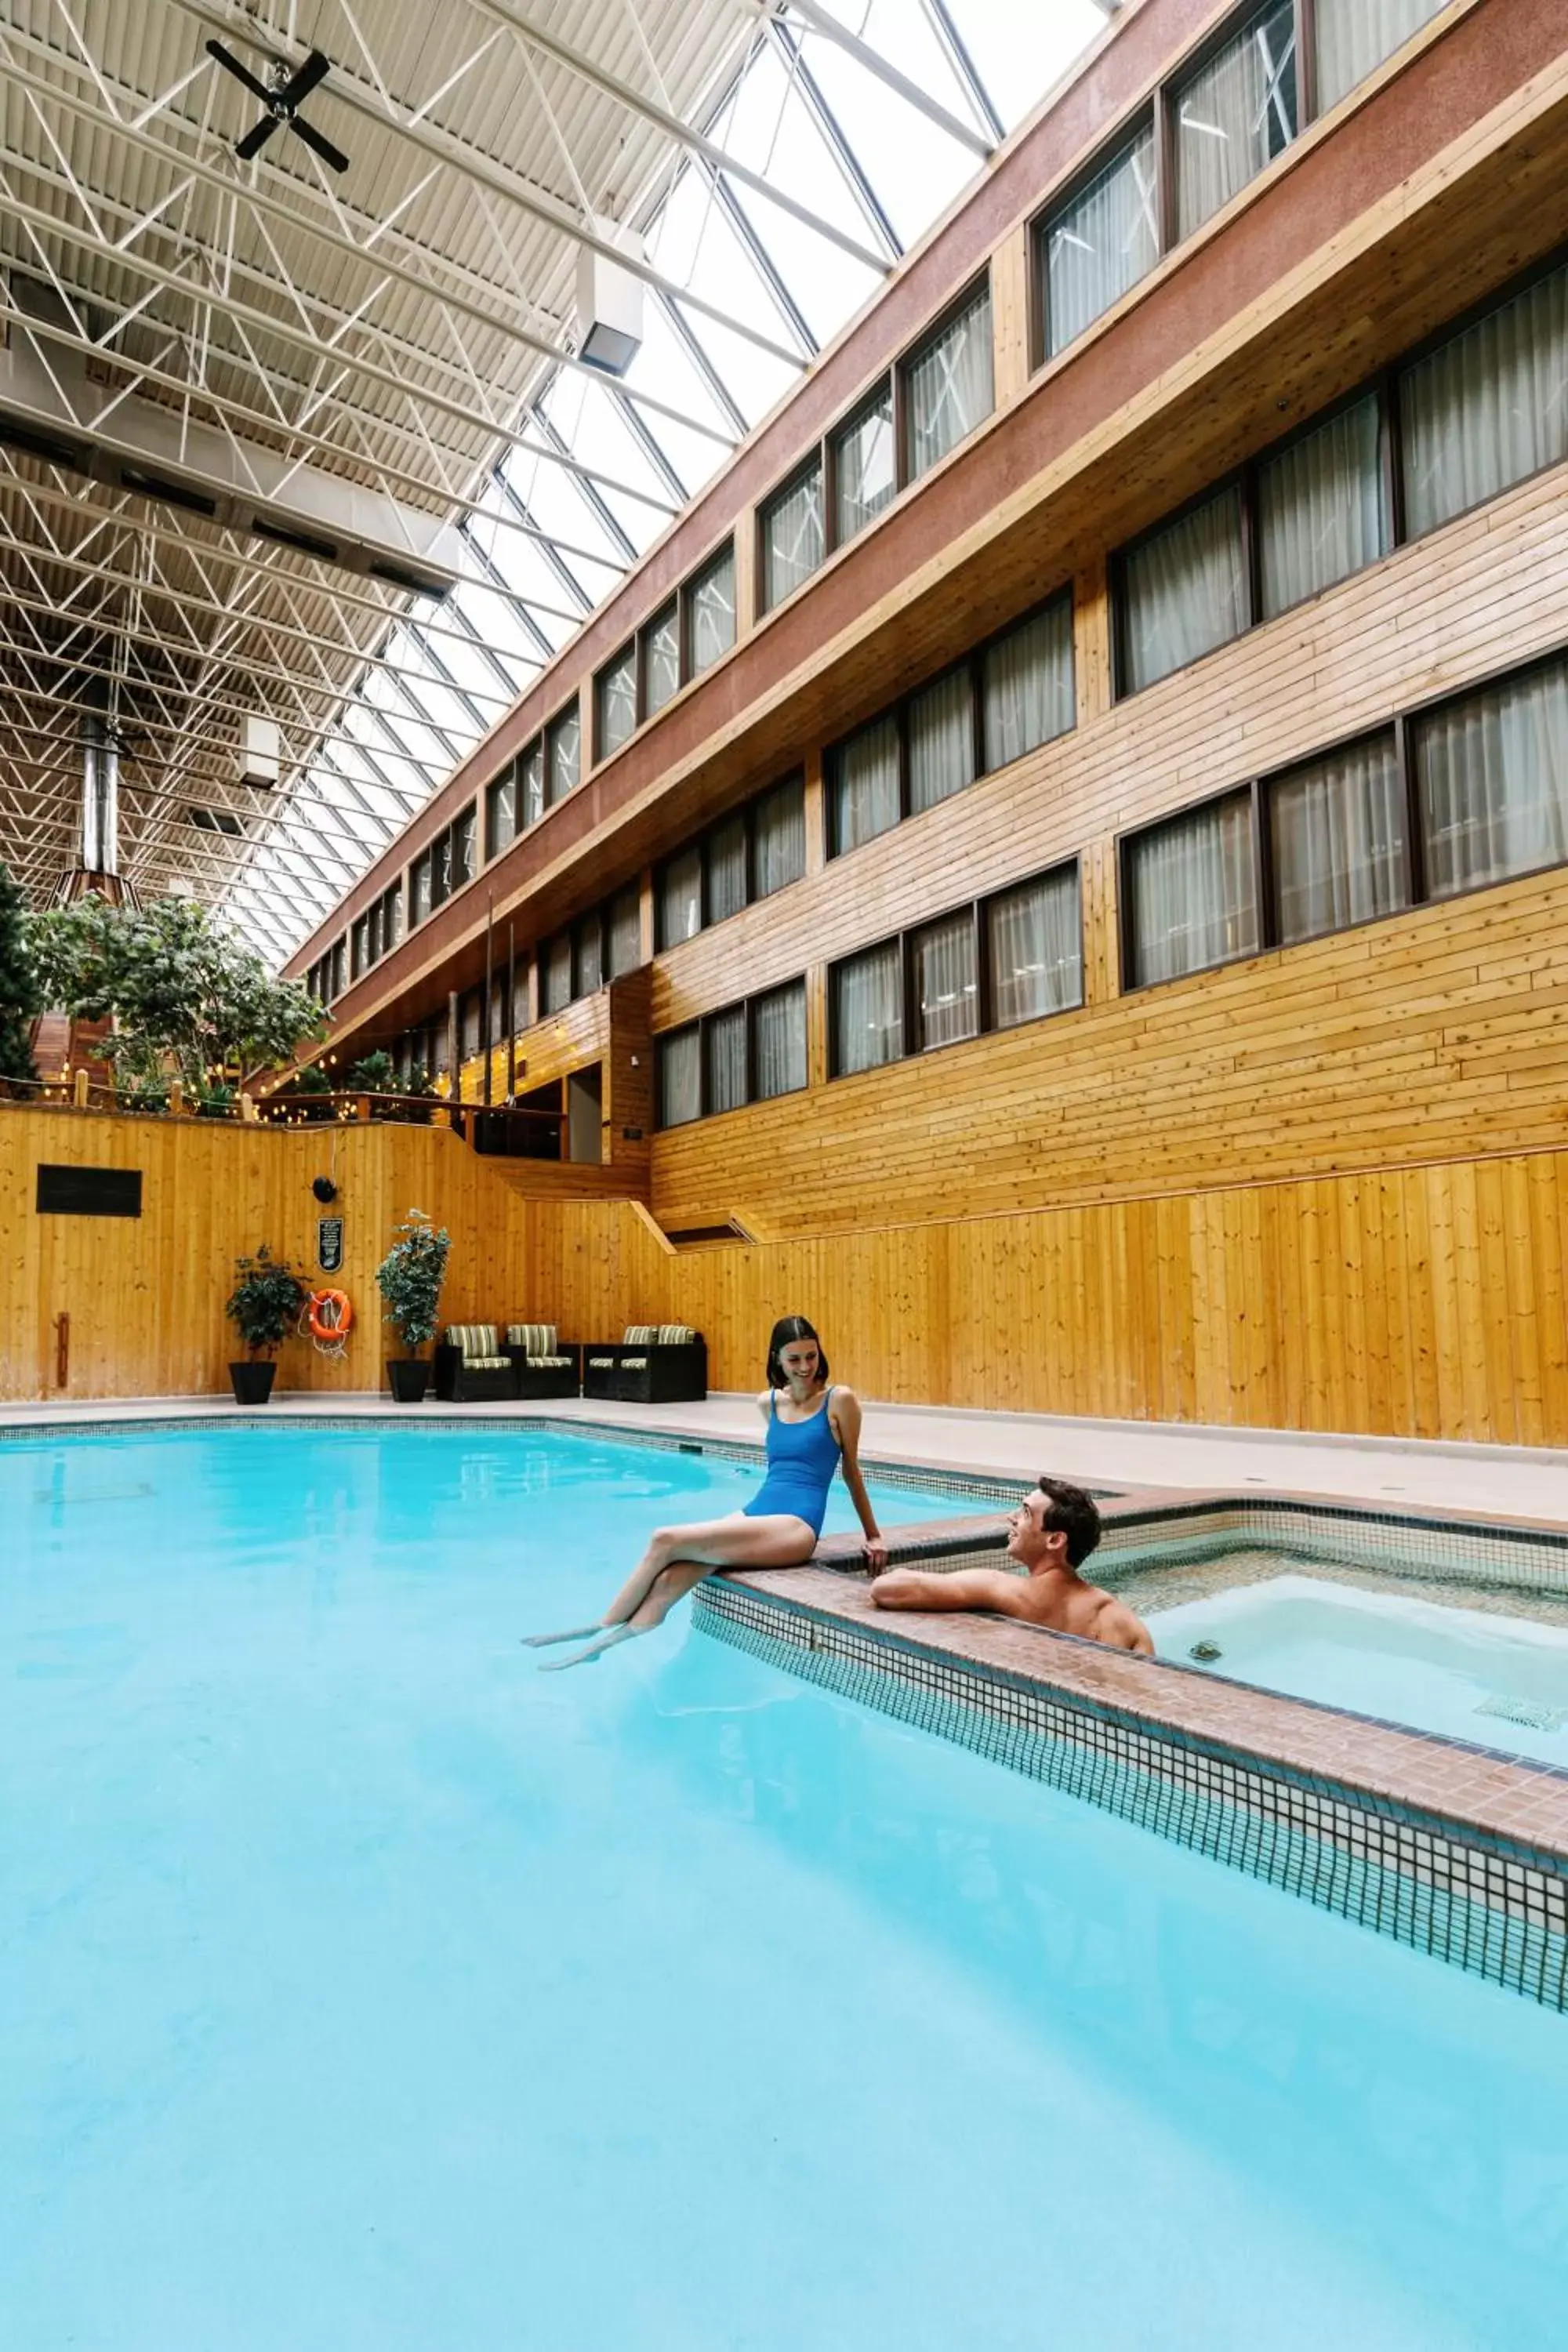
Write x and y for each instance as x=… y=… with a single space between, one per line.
x=282 y=100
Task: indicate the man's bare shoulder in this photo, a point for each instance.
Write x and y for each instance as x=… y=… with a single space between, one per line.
x=1118 y=1628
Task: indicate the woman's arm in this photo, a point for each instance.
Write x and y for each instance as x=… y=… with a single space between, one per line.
x=844 y=1407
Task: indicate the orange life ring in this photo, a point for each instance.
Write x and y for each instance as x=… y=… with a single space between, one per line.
x=337 y=1303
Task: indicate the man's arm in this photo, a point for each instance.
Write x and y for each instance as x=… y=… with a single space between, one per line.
x=963 y=1588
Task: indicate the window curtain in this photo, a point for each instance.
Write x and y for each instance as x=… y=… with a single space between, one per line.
x=531 y=777
x=1185 y=591
x=564 y=748
x=714 y=612
x=727 y=869
x=392 y=923
x=1029 y=694
x=1322 y=513
x=1101 y=243
x=419 y=888
x=949 y=387
x=625 y=932
x=1034 y=943
x=556 y=975
x=617 y=691
x=1193 y=900
x=501 y=827
x=441 y=868
x=947 y=982
x=1338 y=834
x=941 y=740
x=661 y=657
x=681 y=1078
x=681 y=898
x=778 y=837
x=1356 y=36
x=465 y=832
x=863 y=472
x=1493 y=777
x=794 y=540
x=778 y=1042
x=1235 y=114
x=724 y=1046
x=1489 y=408
x=869 y=1010
x=866 y=784
x=588 y=957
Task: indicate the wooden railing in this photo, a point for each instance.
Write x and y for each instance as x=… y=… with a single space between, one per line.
x=499 y=1129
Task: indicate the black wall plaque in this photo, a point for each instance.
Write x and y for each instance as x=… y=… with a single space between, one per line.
x=329 y=1244
x=88 y=1191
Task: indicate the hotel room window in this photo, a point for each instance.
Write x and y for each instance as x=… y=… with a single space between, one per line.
x=1028 y=691
x=340 y=978
x=1323 y=507
x=725 y=859
x=1353 y=37
x=465 y=843
x=865 y=476
x=865 y=793
x=778 y=1041
x=623 y=925
x=500 y=811
x=1101 y=242
x=420 y=900
x=680 y=1077
x=1192 y=892
x=661 y=658
x=616 y=702
x=724 y=1054
x=588 y=954
x=1488 y=407
x=441 y=884
x=940 y=724
x=793 y=534
x=1034 y=948
x=1235 y=114
x=358 y=947
x=1337 y=832
x=1183 y=591
x=563 y=750
x=710 y=612
x=373 y=922
x=392 y=919
x=948 y=385
x=868 y=1010
x=778 y=837
x=944 y=970
x=1491 y=774
x=530 y=783
x=555 y=973
x=681 y=897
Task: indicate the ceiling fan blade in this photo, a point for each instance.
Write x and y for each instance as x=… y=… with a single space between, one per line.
x=324 y=148
x=241 y=73
x=256 y=138
x=314 y=70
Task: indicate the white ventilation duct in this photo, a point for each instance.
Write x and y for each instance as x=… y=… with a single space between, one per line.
x=260 y=750
x=99 y=797
x=609 y=301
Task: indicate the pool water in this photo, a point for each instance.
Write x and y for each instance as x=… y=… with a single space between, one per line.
x=1495 y=1680
x=366 y=1990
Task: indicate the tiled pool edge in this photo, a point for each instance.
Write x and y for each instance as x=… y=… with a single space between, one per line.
x=1489 y=1903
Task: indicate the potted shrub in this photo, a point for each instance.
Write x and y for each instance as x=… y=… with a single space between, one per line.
x=410 y=1276
x=265 y=1303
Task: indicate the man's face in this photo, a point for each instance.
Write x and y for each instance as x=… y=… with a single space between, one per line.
x=1029 y=1541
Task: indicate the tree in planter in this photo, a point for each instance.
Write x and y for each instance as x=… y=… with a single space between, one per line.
x=376 y=1075
x=410 y=1277
x=20 y=999
x=265 y=1304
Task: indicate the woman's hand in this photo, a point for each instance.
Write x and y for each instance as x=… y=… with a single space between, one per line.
x=876 y=1553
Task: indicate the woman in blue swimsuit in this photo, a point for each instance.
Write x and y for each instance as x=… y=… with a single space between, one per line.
x=812 y=1430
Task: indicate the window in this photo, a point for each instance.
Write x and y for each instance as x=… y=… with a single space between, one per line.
x=747 y=856
x=465 y=842
x=588 y=954
x=1235 y=114
x=747 y=1052
x=500 y=811
x=358 y=947
x=555 y=973
x=1491 y=772
x=373 y=923
x=444 y=866
x=1029 y=694
x=1191 y=891
x=391 y=919
x=531 y=782
x=710 y=612
x=1337 y=828
x=725 y=860
x=1091 y=248
x=1323 y=508
x=623 y=929
x=863 y=471
x=794 y=534
x=724 y=1060
x=864 y=786
x=681 y=1078
x=948 y=386
x=1488 y=407
x=778 y=1041
x=778 y=837
x=562 y=748
x=945 y=974
x=338 y=977
x=661 y=658
x=441 y=868
x=941 y=730
x=1034 y=948
x=616 y=702
x=1183 y=591
x=471 y=1020
x=420 y=900
x=867 y=992
x=1356 y=36
x=681 y=897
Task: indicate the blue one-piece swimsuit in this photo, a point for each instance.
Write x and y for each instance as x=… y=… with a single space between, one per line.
x=802 y=1458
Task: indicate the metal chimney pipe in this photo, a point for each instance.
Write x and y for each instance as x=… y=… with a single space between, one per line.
x=92 y=799
x=109 y=804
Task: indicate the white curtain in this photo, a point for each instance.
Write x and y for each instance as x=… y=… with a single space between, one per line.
x=661 y=657
x=792 y=539
x=1185 y=591
x=1194 y=899
x=1322 y=513
x=1488 y=408
x=727 y=869
x=947 y=981
x=869 y=1010
x=531 y=780
x=564 y=742
x=1028 y=685
x=863 y=472
x=1101 y=243
x=1356 y=36
x=941 y=740
x=392 y=924
x=1034 y=939
x=617 y=691
x=557 y=989
x=866 y=784
x=419 y=888
x=681 y=1078
x=681 y=898
x=949 y=387
x=465 y=837
x=500 y=813
x=1235 y=114
x=714 y=612
x=778 y=837
x=1493 y=772
x=778 y=1041
x=625 y=932
x=724 y=1044
x=1338 y=830
x=588 y=957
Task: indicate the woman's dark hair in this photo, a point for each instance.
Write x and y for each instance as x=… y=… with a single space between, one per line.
x=1069 y=1508
x=788 y=1328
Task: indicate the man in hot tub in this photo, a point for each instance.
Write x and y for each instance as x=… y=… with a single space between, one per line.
x=1051 y=1534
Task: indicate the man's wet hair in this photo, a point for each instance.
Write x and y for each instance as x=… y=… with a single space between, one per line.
x=1074 y=1512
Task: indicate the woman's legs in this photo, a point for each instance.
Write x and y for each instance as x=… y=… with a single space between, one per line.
x=678 y=1558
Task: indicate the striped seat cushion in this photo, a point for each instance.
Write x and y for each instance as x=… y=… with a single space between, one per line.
x=675 y=1335
x=634 y=1363
x=477 y=1340
x=537 y=1341
x=639 y=1334
x=601 y=1363
x=551 y=1363
x=487 y=1363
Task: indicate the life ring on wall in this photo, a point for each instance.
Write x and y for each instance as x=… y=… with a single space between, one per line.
x=330 y=1318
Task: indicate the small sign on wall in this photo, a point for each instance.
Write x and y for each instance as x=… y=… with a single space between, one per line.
x=329 y=1245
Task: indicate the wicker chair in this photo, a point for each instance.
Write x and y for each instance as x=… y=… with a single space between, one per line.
x=655 y=1363
x=541 y=1367
x=469 y=1366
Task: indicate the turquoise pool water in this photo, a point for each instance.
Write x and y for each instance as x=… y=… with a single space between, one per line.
x=365 y=1991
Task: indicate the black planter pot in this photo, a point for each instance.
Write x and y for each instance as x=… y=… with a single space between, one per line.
x=252 y=1381
x=410 y=1378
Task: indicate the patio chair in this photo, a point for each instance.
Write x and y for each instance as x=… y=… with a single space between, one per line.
x=541 y=1367
x=470 y=1368
x=655 y=1363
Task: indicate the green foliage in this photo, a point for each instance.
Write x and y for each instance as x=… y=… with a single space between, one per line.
x=215 y=1100
x=185 y=997
x=311 y=1080
x=373 y=1075
x=410 y=1276
x=266 y=1301
x=20 y=997
x=421 y=1083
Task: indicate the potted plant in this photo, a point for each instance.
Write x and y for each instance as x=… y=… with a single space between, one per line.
x=410 y=1276
x=265 y=1303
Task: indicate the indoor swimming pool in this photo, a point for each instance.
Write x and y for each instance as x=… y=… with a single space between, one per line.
x=367 y=1990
